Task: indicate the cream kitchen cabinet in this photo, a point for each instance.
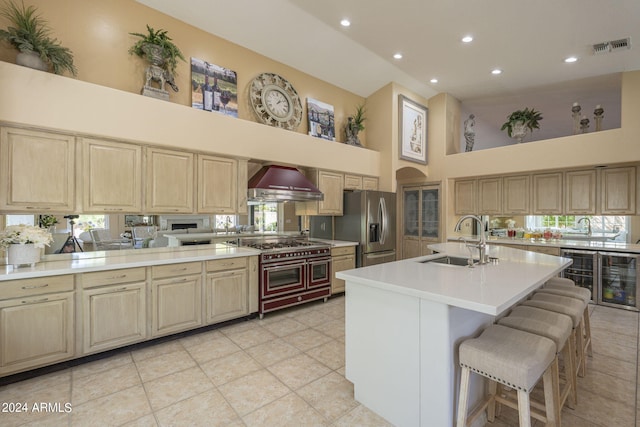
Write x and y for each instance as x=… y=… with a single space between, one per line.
x=342 y=258
x=241 y=187
x=547 y=194
x=515 y=195
x=112 y=176
x=331 y=184
x=176 y=298
x=370 y=183
x=114 y=308
x=465 y=197
x=543 y=249
x=420 y=219
x=490 y=196
x=359 y=182
x=580 y=192
x=37 y=171
x=169 y=181
x=217 y=184
x=226 y=289
x=618 y=191
x=36 y=322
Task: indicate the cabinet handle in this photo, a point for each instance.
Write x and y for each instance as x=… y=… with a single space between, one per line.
x=35 y=286
x=35 y=301
x=122 y=276
x=39 y=208
x=124 y=288
x=114 y=209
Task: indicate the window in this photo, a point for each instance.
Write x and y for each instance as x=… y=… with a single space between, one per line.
x=223 y=222
x=264 y=217
x=87 y=222
x=619 y=225
x=19 y=219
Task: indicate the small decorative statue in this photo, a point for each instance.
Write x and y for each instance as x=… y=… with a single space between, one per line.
x=584 y=124
x=469 y=132
x=598 y=114
x=351 y=130
x=575 y=113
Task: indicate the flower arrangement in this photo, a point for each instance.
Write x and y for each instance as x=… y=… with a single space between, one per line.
x=47 y=221
x=24 y=234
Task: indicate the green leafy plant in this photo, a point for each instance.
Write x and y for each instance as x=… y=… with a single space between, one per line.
x=29 y=32
x=169 y=51
x=359 y=117
x=47 y=221
x=529 y=117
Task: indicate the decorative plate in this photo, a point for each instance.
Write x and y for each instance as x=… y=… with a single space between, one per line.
x=275 y=101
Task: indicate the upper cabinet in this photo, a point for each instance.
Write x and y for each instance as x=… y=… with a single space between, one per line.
x=547 y=194
x=112 y=176
x=331 y=184
x=217 y=182
x=465 y=197
x=515 y=200
x=618 y=191
x=580 y=192
x=169 y=184
x=37 y=171
x=358 y=182
x=490 y=196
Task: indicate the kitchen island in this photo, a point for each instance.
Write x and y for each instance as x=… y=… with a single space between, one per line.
x=406 y=319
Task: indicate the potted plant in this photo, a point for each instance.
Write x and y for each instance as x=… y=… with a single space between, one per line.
x=30 y=34
x=355 y=124
x=23 y=243
x=157 y=48
x=520 y=122
x=48 y=222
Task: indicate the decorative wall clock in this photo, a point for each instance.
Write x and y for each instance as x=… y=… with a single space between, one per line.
x=275 y=101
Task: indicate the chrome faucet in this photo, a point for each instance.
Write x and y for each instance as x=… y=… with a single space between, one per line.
x=584 y=218
x=482 y=245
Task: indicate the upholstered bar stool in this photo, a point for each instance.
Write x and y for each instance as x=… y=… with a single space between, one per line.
x=557 y=327
x=513 y=358
x=562 y=281
x=560 y=288
x=571 y=307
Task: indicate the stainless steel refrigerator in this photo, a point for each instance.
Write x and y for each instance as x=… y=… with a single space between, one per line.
x=369 y=218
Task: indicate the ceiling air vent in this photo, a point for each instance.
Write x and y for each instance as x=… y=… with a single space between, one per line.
x=612 y=46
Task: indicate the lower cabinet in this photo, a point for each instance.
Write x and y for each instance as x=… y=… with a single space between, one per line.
x=114 y=315
x=176 y=298
x=226 y=289
x=36 y=329
x=342 y=259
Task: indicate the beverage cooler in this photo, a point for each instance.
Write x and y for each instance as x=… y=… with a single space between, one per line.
x=584 y=270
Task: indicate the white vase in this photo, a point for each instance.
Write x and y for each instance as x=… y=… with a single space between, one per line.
x=23 y=254
x=519 y=131
x=31 y=60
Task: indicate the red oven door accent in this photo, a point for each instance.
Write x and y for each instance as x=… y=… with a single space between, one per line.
x=283 y=277
x=319 y=272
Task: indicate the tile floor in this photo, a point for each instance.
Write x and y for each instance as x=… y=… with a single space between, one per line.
x=284 y=370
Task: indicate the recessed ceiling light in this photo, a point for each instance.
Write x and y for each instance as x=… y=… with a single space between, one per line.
x=467 y=39
x=434 y=80
x=397 y=55
x=496 y=71
x=345 y=22
x=571 y=59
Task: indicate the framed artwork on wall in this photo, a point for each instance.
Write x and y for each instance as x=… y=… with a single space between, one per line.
x=412 y=123
x=321 y=119
x=214 y=88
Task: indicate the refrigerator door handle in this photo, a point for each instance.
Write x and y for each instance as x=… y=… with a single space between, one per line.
x=383 y=217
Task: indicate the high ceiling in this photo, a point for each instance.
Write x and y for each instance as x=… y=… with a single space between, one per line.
x=527 y=40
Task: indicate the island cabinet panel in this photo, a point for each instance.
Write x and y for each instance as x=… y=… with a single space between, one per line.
x=618 y=191
x=580 y=192
x=217 y=182
x=111 y=176
x=490 y=196
x=226 y=289
x=36 y=323
x=37 y=171
x=543 y=250
x=341 y=259
x=176 y=298
x=547 y=194
x=169 y=181
x=114 y=314
x=331 y=184
x=465 y=197
x=515 y=197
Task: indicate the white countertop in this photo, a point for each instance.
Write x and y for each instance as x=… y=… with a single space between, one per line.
x=563 y=243
x=488 y=288
x=112 y=260
x=335 y=243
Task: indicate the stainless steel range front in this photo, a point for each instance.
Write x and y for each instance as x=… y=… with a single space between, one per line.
x=292 y=272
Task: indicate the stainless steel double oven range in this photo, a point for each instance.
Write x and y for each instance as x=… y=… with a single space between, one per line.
x=292 y=271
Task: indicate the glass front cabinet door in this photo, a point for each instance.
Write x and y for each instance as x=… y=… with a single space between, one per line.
x=420 y=219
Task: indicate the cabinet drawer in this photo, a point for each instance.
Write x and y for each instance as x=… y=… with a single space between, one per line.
x=113 y=277
x=226 y=264
x=348 y=250
x=35 y=286
x=176 y=269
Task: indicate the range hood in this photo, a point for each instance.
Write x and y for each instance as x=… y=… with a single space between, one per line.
x=276 y=183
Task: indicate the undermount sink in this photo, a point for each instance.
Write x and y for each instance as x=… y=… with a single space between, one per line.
x=450 y=261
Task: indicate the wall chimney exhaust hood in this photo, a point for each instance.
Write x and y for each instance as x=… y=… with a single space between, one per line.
x=275 y=183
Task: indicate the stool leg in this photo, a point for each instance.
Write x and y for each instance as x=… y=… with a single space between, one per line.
x=581 y=360
x=569 y=355
x=587 y=330
x=524 y=410
x=555 y=388
x=491 y=409
x=551 y=399
x=463 y=399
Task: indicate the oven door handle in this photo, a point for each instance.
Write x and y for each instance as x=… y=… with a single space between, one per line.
x=283 y=267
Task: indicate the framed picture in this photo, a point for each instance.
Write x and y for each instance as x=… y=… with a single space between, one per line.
x=214 y=88
x=412 y=118
x=321 y=120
